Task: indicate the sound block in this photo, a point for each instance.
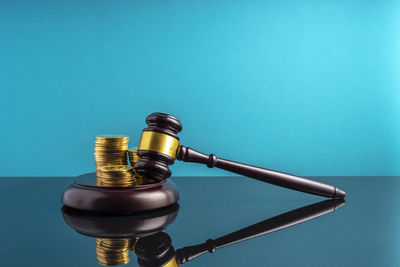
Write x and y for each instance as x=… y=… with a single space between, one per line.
x=84 y=194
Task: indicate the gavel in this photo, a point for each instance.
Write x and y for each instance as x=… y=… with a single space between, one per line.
x=159 y=147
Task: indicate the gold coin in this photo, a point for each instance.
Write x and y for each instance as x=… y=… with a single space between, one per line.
x=112 y=136
x=116 y=168
x=133 y=156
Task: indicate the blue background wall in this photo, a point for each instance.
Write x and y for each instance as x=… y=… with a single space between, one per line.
x=307 y=87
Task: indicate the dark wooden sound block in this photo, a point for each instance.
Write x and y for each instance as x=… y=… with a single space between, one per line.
x=84 y=194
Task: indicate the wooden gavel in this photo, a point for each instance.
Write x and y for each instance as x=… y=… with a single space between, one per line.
x=159 y=147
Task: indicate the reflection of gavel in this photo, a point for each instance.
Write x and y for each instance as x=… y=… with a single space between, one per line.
x=159 y=147
x=157 y=250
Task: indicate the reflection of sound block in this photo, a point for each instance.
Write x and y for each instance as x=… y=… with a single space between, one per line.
x=120 y=226
x=84 y=194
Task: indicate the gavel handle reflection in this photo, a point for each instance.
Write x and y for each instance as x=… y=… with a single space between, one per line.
x=265 y=175
x=273 y=224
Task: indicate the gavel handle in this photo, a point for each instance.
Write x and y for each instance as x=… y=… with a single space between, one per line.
x=265 y=175
x=265 y=227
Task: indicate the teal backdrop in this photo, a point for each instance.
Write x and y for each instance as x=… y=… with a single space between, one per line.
x=305 y=87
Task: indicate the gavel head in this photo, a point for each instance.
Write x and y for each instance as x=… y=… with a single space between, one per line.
x=158 y=146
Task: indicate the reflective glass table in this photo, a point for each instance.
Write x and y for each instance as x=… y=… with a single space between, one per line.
x=260 y=225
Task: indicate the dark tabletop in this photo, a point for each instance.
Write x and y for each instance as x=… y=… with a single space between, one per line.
x=363 y=232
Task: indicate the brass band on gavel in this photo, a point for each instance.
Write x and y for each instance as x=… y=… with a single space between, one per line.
x=159 y=142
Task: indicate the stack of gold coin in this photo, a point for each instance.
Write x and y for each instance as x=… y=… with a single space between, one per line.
x=133 y=156
x=111 y=150
x=116 y=175
x=112 y=251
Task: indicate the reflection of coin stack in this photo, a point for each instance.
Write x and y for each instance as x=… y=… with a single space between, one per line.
x=117 y=175
x=113 y=251
x=111 y=150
